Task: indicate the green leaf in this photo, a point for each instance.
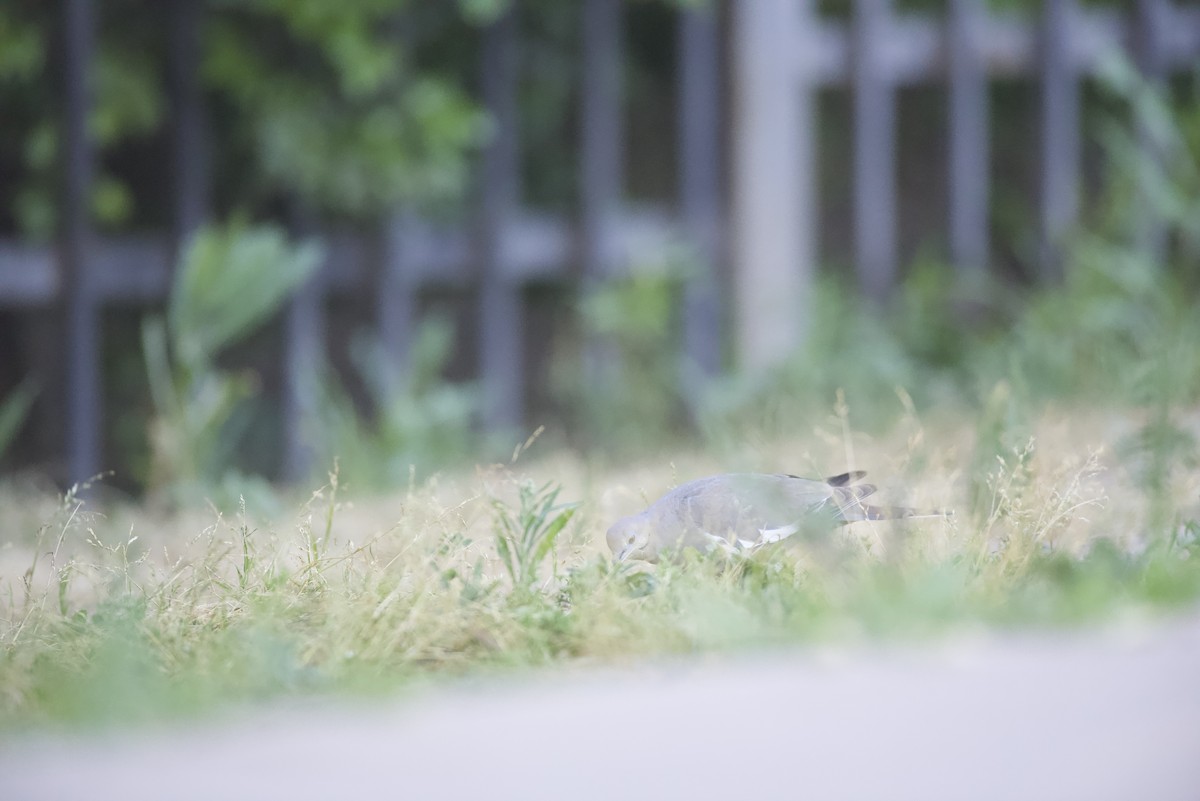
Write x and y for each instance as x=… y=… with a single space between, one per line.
x=230 y=282
x=551 y=533
x=158 y=365
x=506 y=555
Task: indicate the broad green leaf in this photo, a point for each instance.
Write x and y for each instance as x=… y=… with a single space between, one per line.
x=231 y=281
x=552 y=532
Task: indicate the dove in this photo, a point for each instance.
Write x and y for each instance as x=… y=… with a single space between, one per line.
x=742 y=512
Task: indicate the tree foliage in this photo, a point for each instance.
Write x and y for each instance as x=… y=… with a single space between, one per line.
x=337 y=105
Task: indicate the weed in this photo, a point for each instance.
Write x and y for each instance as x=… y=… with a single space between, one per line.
x=229 y=282
x=621 y=382
x=420 y=422
x=526 y=536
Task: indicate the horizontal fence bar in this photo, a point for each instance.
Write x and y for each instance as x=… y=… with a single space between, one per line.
x=915 y=47
x=131 y=269
x=532 y=247
x=29 y=274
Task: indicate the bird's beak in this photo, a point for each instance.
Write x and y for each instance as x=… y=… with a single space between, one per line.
x=623 y=554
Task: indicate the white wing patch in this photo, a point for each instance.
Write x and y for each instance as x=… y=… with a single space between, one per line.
x=740 y=547
x=766 y=536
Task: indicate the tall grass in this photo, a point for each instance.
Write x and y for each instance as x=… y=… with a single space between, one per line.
x=126 y=615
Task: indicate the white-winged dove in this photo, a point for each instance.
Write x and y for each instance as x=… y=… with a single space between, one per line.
x=741 y=512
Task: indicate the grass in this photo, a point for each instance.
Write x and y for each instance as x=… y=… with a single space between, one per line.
x=125 y=614
x=1060 y=425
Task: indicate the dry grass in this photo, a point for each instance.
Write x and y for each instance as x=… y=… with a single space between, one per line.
x=125 y=613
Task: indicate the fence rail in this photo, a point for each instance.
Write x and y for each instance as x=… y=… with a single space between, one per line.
x=783 y=53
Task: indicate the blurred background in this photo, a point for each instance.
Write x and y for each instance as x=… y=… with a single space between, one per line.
x=241 y=238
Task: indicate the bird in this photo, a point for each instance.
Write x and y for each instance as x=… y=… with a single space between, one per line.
x=739 y=513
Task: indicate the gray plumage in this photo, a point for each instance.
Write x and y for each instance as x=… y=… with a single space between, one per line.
x=741 y=512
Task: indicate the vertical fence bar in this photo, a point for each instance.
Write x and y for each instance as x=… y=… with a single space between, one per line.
x=1060 y=133
x=398 y=287
x=773 y=208
x=1151 y=32
x=83 y=334
x=874 y=152
x=303 y=359
x=600 y=158
x=501 y=357
x=189 y=147
x=396 y=305
x=699 y=137
x=1151 y=27
x=968 y=137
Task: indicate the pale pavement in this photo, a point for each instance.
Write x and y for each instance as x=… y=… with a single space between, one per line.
x=1113 y=714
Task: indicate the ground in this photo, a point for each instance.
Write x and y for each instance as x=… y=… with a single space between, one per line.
x=1106 y=714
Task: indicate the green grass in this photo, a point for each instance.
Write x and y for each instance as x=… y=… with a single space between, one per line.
x=1060 y=425
x=131 y=615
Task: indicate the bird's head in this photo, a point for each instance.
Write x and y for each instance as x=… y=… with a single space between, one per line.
x=629 y=538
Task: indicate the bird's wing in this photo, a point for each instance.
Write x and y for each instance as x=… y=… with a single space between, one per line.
x=759 y=508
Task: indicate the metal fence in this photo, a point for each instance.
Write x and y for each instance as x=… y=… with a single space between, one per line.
x=498 y=252
x=782 y=54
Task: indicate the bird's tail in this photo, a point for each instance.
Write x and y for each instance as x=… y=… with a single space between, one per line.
x=849 y=496
x=845 y=479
